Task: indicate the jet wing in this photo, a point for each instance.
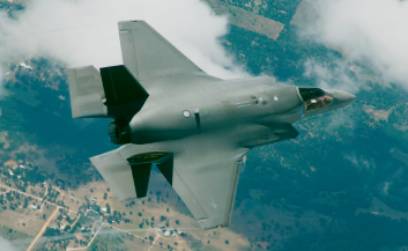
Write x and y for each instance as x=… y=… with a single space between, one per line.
x=149 y=56
x=207 y=182
x=203 y=173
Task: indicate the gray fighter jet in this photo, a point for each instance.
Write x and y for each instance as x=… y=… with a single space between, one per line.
x=195 y=128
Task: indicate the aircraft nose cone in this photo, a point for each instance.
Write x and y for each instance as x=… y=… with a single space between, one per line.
x=344 y=97
x=340 y=98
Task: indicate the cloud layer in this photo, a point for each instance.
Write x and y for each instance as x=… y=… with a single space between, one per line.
x=372 y=32
x=6 y=245
x=84 y=32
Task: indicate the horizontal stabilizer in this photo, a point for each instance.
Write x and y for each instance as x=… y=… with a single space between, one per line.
x=117 y=172
x=128 y=176
x=86 y=92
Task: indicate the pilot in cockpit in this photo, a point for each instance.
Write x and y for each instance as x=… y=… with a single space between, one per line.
x=316 y=100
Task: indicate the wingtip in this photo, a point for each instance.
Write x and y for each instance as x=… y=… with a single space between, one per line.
x=126 y=23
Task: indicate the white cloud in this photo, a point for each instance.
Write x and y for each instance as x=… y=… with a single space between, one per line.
x=372 y=32
x=339 y=73
x=3 y=92
x=83 y=32
x=6 y=245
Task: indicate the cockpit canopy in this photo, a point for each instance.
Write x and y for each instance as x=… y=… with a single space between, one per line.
x=315 y=99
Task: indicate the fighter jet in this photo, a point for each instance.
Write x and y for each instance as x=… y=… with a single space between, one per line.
x=195 y=128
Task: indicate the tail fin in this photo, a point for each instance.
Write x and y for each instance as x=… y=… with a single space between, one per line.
x=124 y=94
x=113 y=92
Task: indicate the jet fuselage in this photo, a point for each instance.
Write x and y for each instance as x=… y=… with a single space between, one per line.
x=250 y=109
x=195 y=128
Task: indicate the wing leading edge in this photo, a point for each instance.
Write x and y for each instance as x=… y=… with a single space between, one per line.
x=150 y=56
